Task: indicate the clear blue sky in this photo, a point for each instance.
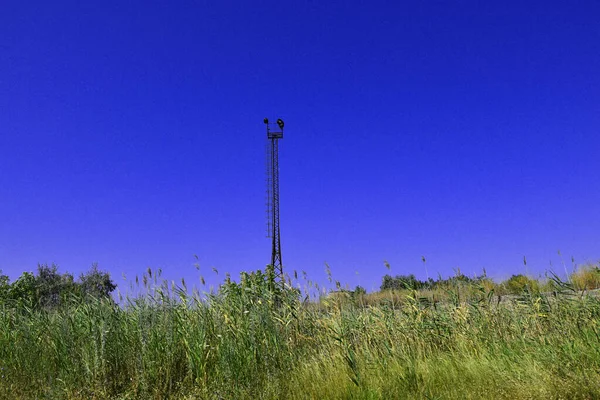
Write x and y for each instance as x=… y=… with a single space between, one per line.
x=467 y=132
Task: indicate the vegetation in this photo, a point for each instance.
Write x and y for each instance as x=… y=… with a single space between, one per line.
x=456 y=339
x=400 y=282
x=48 y=289
x=586 y=278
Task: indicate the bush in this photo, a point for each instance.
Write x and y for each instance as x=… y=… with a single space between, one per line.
x=400 y=282
x=518 y=284
x=586 y=277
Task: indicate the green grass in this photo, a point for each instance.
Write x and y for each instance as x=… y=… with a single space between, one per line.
x=246 y=344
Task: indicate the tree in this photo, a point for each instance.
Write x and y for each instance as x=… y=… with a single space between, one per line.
x=517 y=284
x=96 y=283
x=359 y=290
x=23 y=291
x=4 y=287
x=49 y=289
x=402 y=282
x=52 y=287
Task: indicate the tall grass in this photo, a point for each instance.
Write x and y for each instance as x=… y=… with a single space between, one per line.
x=248 y=341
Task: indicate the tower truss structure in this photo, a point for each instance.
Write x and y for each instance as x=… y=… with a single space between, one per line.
x=274 y=133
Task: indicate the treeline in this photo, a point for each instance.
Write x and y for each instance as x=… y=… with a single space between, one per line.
x=400 y=282
x=587 y=277
x=47 y=288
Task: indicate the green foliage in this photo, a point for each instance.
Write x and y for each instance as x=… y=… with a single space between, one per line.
x=48 y=289
x=251 y=340
x=359 y=290
x=23 y=292
x=96 y=283
x=4 y=286
x=410 y=282
x=402 y=282
x=52 y=288
x=518 y=284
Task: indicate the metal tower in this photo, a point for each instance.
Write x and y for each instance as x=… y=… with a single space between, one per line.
x=274 y=133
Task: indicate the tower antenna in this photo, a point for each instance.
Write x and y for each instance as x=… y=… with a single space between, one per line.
x=274 y=133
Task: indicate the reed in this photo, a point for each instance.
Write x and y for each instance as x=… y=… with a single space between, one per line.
x=248 y=341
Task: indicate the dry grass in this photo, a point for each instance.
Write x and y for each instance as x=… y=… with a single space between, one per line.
x=586 y=277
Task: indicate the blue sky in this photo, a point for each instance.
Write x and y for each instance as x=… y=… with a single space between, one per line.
x=131 y=135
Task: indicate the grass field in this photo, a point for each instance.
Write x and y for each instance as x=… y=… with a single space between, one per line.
x=463 y=342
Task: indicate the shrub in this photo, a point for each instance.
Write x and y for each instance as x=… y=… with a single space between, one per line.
x=400 y=282
x=517 y=284
x=586 y=277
